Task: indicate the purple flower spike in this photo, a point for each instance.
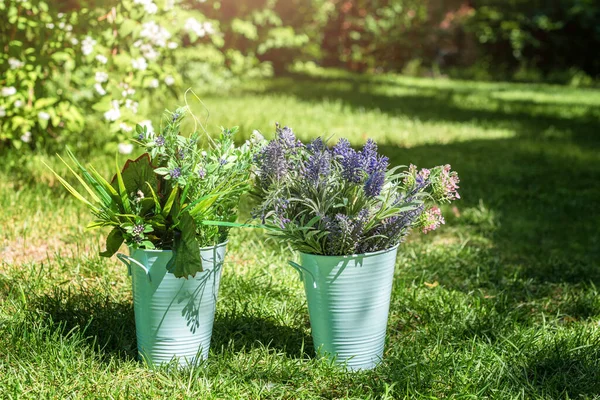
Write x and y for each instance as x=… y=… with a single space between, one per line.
x=319 y=162
x=350 y=161
x=160 y=141
x=374 y=184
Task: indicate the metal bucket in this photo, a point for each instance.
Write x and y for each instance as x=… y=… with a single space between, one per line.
x=348 y=303
x=173 y=316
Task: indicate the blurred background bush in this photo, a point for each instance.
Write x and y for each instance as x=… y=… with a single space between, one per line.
x=71 y=69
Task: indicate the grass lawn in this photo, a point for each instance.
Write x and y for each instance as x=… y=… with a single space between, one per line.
x=500 y=303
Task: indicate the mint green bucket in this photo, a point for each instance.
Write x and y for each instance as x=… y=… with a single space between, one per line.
x=348 y=303
x=173 y=316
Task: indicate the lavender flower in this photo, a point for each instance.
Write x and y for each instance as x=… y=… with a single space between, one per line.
x=319 y=162
x=222 y=161
x=374 y=184
x=272 y=163
x=350 y=161
x=201 y=173
x=181 y=154
x=175 y=172
x=287 y=138
x=160 y=140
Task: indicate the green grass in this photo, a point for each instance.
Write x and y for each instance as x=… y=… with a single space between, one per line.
x=500 y=303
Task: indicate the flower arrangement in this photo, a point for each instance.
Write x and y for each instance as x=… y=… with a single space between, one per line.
x=339 y=201
x=175 y=196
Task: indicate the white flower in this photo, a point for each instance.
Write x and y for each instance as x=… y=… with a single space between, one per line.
x=99 y=89
x=102 y=59
x=8 y=91
x=169 y=80
x=125 y=148
x=172 y=45
x=208 y=28
x=154 y=33
x=148 y=124
x=101 y=76
x=18 y=104
x=153 y=83
x=74 y=41
x=192 y=25
x=114 y=113
x=69 y=28
x=151 y=8
x=50 y=25
x=139 y=63
x=149 y=52
x=14 y=63
x=26 y=137
x=60 y=15
x=2 y=112
x=124 y=127
x=61 y=25
x=133 y=105
x=43 y=115
x=87 y=45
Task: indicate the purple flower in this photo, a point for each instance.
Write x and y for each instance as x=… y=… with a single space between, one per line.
x=316 y=145
x=374 y=183
x=176 y=116
x=345 y=233
x=138 y=229
x=222 y=161
x=287 y=138
x=272 y=163
x=160 y=141
x=175 y=172
x=319 y=162
x=350 y=161
x=181 y=154
x=201 y=173
x=390 y=231
x=141 y=136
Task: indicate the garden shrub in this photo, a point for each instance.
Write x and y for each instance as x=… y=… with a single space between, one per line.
x=67 y=66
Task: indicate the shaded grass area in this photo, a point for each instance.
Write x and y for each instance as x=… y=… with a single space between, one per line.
x=500 y=303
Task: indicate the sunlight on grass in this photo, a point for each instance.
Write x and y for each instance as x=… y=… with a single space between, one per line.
x=502 y=302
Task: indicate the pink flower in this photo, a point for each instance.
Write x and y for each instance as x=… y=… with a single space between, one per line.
x=432 y=219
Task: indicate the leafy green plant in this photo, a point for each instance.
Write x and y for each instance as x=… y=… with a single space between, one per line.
x=110 y=62
x=162 y=199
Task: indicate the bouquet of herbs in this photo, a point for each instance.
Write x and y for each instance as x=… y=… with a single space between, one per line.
x=175 y=196
x=339 y=201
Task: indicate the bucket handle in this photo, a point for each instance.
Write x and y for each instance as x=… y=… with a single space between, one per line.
x=301 y=270
x=128 y=260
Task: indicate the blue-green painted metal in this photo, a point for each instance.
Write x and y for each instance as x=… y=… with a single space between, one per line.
x=173 y=316
x=348 y=304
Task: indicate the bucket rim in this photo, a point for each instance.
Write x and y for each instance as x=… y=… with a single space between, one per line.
x=352 y=256
x=222 y=244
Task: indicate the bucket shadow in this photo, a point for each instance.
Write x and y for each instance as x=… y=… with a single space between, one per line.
x=247 y=332
x=108 y=326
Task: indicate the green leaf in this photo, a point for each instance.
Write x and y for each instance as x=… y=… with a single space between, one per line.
x=72 y=190
x=138 y=174
x=122 y=190
x=167 y=208
x=186 y=260
x=114 y=240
